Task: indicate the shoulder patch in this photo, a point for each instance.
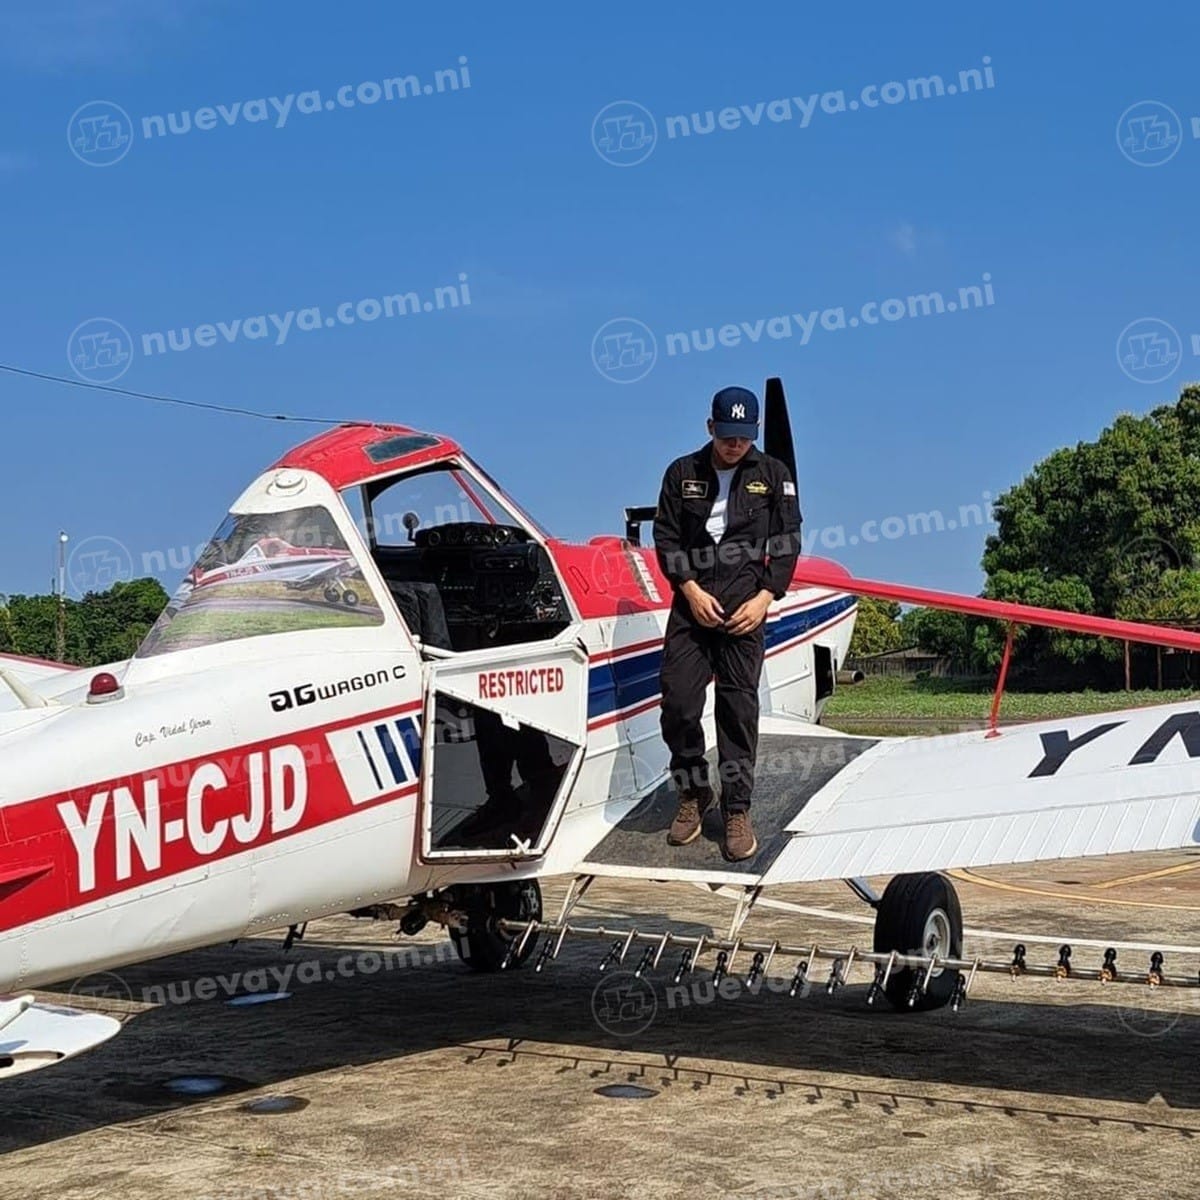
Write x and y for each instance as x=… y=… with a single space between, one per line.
x=695 y=489
x=789 y=488
x=757 y=487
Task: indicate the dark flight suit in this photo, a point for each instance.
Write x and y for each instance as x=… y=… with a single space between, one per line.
x=758 y=550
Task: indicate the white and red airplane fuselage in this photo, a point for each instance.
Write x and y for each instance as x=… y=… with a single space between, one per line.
x=249 y=776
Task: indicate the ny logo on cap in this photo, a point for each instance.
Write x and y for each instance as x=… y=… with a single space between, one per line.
x=738 y=411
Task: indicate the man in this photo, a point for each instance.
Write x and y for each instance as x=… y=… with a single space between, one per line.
x=727 y=536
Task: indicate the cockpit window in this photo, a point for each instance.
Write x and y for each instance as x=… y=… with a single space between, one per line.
x=435 y=497
x=266 y=573
x=399 y=446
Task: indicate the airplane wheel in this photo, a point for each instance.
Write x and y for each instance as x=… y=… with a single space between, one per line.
x=349 y=598
x=920 y=914
x=331 y=594
x=483 y=947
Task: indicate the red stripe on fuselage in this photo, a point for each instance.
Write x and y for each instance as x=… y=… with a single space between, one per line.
x=117 y=834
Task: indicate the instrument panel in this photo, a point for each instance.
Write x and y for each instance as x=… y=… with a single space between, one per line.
x=494 y=574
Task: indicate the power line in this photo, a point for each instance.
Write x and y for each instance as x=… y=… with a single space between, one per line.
x=229 y=409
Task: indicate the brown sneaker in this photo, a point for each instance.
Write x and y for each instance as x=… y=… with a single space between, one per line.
x=689 y=817
x=740 y=841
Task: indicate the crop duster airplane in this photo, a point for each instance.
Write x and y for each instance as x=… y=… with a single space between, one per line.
x=385 y=689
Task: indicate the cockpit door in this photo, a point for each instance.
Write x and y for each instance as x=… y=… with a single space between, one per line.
x=505 y=735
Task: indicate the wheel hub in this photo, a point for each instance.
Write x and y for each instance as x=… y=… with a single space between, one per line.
x=935 y=941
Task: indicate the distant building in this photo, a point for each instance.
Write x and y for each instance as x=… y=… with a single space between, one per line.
x=905 y=663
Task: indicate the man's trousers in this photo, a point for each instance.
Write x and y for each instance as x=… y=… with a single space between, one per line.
x=692 y=655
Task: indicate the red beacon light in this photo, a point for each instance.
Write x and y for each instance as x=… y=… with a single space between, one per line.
x=104 y=687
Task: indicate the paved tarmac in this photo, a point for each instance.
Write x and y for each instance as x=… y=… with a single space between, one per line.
x=399 y=1078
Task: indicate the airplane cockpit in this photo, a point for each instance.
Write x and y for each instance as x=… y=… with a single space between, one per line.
x=464 y=570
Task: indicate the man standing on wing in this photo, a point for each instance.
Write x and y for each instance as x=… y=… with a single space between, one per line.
x=727 y=533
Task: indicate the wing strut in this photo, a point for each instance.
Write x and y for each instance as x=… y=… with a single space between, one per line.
x=993 y=721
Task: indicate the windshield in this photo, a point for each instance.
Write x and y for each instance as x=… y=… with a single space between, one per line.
x=266 y=573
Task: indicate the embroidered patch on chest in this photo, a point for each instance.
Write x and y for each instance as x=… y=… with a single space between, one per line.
x=695 y=489
x=756 y=487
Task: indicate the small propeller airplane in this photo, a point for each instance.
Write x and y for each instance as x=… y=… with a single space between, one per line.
x=485 y=714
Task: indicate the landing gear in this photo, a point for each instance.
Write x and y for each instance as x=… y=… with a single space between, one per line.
x=920 y=914
x=482 y=946
x=338 y=594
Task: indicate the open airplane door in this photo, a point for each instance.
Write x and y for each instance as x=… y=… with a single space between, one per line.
x=506 y=732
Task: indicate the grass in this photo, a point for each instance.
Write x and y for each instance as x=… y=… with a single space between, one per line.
x=221 y=627
x=951 y=699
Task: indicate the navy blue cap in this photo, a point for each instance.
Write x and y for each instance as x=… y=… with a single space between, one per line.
x=735 y=413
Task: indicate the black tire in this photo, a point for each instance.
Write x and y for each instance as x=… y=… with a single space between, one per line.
x=332 y=595
x=918 y=914
x=483 y=947
x=349 y=598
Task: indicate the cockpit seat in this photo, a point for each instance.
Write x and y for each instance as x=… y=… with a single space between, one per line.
x=420 y=605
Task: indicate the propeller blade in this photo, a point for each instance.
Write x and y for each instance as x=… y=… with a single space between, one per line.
x=777 y=426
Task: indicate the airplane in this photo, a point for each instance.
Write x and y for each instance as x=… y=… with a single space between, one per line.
x=273 y=560
x=487 y=716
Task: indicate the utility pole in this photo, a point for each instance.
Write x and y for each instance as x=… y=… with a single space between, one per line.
x=61 y=633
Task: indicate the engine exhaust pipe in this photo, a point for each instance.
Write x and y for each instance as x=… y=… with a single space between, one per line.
x=847 y=677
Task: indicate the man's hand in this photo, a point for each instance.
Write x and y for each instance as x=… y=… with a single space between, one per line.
x=705 y=609
x=749 y=616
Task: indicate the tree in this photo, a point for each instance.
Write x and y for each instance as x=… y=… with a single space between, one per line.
x=1173 y=596
x=32 y=622
x=116 y=621
x=103 y=627
x=1094 y=528
x=937 y=631
x=876 y=627
x=7 y=642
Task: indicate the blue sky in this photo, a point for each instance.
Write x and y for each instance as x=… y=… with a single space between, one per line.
x=1020 y=179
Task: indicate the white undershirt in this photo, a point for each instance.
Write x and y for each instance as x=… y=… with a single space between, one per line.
x=716 y=519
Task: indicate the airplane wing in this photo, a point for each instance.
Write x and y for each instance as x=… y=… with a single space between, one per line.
x=1106 y=784
x=31 y=670
x=35 y=673
x=834 y=806
x=320 y=572
x=34 y=1035
x=1097 y=785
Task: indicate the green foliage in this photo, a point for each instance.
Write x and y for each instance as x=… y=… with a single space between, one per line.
x=103 y=627
x=1173 y=596
x=956 y=699
x=1067 y=594
x=876 y=627
x=1110 y=527
x=948 y=634
x=7 y=636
